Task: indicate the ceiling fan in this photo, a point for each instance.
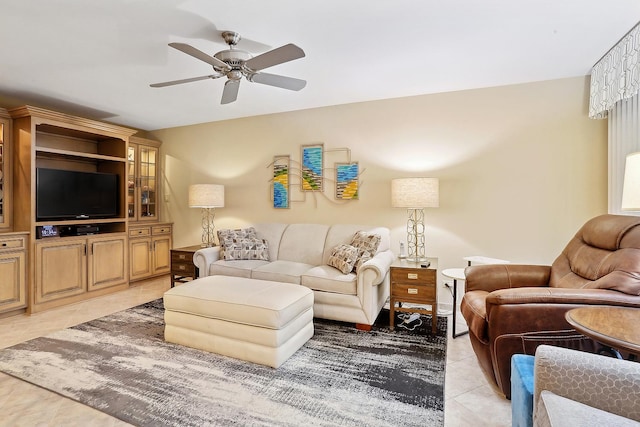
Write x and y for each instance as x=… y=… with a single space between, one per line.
x=235 y=63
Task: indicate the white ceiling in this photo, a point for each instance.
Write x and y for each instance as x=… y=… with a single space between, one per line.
x=96 y=58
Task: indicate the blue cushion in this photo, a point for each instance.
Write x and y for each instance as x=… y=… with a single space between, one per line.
x=522 y=390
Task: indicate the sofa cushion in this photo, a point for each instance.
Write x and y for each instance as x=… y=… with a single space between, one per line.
x=553 y=410
x=272 y=233
x=367 y=244
x=281 y=271
x=250 y=302
x=604 y=254
x=246 y=248
x=343 y=257
x=328 y=279
x=235 y=268
x=303 y=243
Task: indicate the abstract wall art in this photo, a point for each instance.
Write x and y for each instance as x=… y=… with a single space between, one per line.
x=281 y=174
x=312 y=167
x=347 y=181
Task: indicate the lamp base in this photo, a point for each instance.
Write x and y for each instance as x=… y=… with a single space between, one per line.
x=416 y=260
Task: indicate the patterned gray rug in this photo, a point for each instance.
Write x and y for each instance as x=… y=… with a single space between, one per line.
x=121 y=365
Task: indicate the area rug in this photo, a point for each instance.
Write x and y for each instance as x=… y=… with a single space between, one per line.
x=120 y=365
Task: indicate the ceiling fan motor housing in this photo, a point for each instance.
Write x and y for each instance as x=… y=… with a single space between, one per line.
x=235 y=58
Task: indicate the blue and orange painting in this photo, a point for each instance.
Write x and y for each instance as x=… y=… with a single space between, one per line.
x=347 y=181
x=312 y=167
x=281 y=182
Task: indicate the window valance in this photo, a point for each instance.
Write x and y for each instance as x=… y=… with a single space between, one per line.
x=616 y=76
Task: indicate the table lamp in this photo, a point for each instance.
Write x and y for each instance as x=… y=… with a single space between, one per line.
x=415 y=194
x=208 y=197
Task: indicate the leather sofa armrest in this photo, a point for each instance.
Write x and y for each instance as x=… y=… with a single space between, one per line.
x=204 y=257
x=601 y=382
x=561 y=296
x=523 y=310
x=492 y=277
x=377 y=267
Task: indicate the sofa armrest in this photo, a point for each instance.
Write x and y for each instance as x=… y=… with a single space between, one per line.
x=516 y=311
x=601 y=382
x=568 y=296
x=204 y=257
x=492 y=277
x=377 y=267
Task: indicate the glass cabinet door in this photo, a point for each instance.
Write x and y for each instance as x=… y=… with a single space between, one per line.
x=5 y=172
x=142 y=177
x=148 y=164
x=131 y=183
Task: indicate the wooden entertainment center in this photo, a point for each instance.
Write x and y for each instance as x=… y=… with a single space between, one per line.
x=47 y=263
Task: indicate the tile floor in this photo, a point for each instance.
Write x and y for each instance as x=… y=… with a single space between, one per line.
x=469 y=399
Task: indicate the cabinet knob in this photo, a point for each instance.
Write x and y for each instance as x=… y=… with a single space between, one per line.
x=412 y=276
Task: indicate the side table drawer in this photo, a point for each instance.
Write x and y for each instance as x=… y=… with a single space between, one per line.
x=412 y=276
x=177 y=256
x=183 y=268
x=415 y=291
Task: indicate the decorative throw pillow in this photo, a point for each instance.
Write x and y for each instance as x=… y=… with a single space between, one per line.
x=343 y=257
x=246 y=248
x=236 y=234
x=364 y=257
x=365 y=242
x=230 y=235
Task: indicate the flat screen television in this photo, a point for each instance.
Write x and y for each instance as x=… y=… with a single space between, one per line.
x=65 y=195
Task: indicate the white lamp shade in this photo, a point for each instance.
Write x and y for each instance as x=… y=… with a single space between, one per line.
x=206 y=196
x=631 y=183
x=415 y=193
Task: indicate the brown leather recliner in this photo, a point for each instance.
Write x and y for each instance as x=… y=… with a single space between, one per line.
x=513 y=309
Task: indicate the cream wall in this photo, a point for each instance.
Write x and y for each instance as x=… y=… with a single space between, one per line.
x=521 y=167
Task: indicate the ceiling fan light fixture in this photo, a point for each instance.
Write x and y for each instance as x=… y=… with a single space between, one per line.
x=236 y=63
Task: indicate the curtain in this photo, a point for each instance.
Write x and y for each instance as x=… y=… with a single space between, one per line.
x=616 y=76
x=624 y=138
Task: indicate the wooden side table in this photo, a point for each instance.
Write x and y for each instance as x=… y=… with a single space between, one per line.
x=412 y=283
x=182 y=267
x=613 y=327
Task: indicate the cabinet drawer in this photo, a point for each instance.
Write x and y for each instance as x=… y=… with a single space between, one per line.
x=15 y=243
x=161 y=229
x=416 y=292
x=136 y=232
x=411 y=276
x=181 y=256
x=183 y=268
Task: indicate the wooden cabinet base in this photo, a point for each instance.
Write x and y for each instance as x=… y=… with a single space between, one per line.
x=36 y=308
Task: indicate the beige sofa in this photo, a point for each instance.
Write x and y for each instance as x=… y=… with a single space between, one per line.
x=299 y=254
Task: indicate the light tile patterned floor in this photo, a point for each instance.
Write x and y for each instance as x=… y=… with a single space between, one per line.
x=469 y=399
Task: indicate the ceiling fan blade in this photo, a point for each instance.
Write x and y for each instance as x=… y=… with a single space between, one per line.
x=230 y=92
x=198 y=54
x=285 y=53
x=177 y=82
x=278 y=81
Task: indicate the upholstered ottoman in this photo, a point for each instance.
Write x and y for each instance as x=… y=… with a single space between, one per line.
x=522 y=390
x=255 y=320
